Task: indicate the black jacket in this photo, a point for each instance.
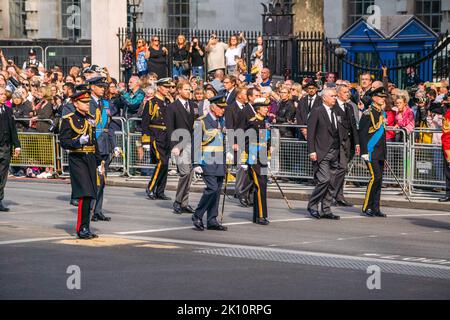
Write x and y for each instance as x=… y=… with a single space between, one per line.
x=286 y=112
x=320 y=132
x=370 y=121
x=178 y=118
x=8 y=131
x=347 y=127
x=303 y=110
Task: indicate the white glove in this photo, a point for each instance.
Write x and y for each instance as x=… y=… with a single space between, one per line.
x=229 y=158
x=198 y=170
x=100 y=170
x=117 y=151
x=365 y=157
x=268 y=164
x=84 y=139
x=146 y=147
x=244 y=166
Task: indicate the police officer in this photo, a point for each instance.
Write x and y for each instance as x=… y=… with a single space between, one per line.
x=100 y=109
x=258 y=158
x=77 y=134
x=372 y=137
x=154 y=138
x=209 y=160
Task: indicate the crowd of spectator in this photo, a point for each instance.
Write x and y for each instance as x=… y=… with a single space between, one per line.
x=39 y=97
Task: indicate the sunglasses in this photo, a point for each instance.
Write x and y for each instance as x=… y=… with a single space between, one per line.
x=155 y=40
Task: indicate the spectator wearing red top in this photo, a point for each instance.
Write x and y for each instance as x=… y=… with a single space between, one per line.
x=390 y=122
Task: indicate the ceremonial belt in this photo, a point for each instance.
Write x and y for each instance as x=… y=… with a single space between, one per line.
x=212 y=148
x=86 y=149
x=156 y=126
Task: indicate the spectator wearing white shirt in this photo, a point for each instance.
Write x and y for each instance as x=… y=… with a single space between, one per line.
x=234 y=49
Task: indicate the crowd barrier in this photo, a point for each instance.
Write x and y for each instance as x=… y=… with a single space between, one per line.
x=417 y=165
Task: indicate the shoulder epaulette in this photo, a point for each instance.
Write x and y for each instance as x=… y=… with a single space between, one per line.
x=201 y=118
x=253 y=119
x=367 y=112
x=68 y=115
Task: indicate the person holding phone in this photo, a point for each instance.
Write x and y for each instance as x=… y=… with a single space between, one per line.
x=216 y=54
x=197 y=53
x=235 y=46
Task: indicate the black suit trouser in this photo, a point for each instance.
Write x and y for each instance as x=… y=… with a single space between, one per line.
x=101 y=182
x=373 y=193
x=337 y=184
x=210 y=199
x=324 y=173
x=5 y=159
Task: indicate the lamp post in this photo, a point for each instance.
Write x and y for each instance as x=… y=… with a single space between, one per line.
x=133 y=8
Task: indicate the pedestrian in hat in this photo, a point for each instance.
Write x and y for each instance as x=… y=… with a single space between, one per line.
x=32 y=61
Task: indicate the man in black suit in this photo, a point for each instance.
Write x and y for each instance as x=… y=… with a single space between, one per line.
x=349 y=143
x=229 y=82
x=323 y=147
x=180 y=118
x=8 y=141
x=244 y=185
x=305 y=105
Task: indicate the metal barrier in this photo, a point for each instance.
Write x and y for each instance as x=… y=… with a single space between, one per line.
x=37 y=150
x=116 y=163
x=427 y=162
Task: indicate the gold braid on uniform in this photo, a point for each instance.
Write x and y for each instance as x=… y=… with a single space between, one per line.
x=81 y=131
x=153 y=110
x=211 y=134
x=375 y=126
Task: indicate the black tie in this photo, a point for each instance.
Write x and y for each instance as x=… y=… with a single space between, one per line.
x=186 y=106
x=310 y=103
x=333 y=121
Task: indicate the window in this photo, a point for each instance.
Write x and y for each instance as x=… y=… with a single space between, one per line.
x=357 y=9
x=71 y=19
x=18 y=18
x=178 y=14
x=429 y=11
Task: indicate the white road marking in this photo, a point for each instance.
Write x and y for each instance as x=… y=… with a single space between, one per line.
x=33 y=240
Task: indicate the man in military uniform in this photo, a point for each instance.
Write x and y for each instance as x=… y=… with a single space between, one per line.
x=77 y=134
x=258 y=158
x=154 y=138
x=446 y=148
x=100 y=109
x=209 y=160
x=372 y=137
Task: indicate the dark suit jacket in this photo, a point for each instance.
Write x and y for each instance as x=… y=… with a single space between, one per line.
x=303 y=111
x=347 y=127
x=231 y=97
x=234 y=117
x=248 y=113
x=178 y=118
x=9 y=131
x=319 y=132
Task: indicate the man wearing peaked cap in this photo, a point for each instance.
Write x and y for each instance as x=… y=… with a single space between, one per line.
x=372 y=137
x=257 y=158
x=77 y=135
x=86 y=63
x=32 y=60
x=100 y=108
x=209 y=141
x=155 y=139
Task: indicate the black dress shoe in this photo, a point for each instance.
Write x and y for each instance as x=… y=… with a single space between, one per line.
x=198 y=224
x=100 y=217
x=244 y=202
x=369 y=213
x=151 y=196
x=217 y=227
x=330 y=216
x=3 y=208
x=263 y=222
x=176 y=208
x=445 y=199
x=343 y=203
x=85 y=233
x=74 y=202
x=314 y=213
x=187 y=209
x=163 y=197
x=380 y=214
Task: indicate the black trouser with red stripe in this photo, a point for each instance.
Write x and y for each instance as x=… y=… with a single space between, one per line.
x=158 y=182
x=84 y=210
x=373 y=193
x=260 y=192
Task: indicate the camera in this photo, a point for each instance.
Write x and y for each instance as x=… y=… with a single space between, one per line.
x=421 y=100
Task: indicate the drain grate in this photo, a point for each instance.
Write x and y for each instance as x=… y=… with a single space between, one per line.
x=333 y=261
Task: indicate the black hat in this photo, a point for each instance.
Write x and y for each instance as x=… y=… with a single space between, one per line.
x=219 y=100
x=82 y=93
x=86 y=59
x=32 y=52
x=310 y=82
x=97 y=81
x=261 y=102
x=165 y=82
x=379 y=92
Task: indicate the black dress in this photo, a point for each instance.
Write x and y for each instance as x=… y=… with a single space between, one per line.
x=157 y=63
